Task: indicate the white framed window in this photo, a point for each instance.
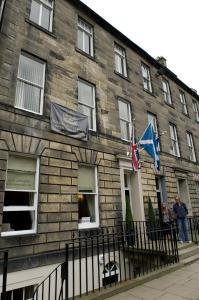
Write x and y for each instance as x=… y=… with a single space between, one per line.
x=24 y=293
x=183 y=102
x=30 y=84
x=196 y=110
x=41 y=12
x=21 y=196
x=88 y=197
x=120 y=60
x=125 y=119
x=146 y=77
x=174 y=141
x=197 y=189
x=85 y=37
x=192 y=154
x=2 y=5
x=86 y=102
x=166 y=91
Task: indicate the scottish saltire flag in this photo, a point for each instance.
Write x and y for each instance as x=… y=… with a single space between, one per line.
x=150 y=143
x=135 y=151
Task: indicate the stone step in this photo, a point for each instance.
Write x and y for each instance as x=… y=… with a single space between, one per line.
x=185 y=245
x=188 y=252
x=190 y=259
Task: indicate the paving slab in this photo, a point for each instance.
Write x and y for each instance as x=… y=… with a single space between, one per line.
x=146 y=292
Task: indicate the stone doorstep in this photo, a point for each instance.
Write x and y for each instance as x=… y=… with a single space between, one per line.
x=125 y=286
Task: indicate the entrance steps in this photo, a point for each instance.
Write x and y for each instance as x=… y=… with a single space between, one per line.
x=188 y=253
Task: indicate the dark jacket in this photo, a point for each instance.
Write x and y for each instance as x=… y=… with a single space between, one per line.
x=180 y=210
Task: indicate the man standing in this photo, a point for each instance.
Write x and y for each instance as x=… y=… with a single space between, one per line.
x=181 y=213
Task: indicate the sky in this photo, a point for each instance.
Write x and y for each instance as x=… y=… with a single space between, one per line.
x=162 y=28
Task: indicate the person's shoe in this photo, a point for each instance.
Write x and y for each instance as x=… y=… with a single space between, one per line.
x=180 y=242
x=189 y=242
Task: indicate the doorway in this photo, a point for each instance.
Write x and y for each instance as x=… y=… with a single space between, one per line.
x=183 y=192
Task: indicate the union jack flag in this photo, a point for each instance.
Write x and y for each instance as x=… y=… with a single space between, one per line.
x=135 y=152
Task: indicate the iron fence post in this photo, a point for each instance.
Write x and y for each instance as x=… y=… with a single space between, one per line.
x=5 y=268
x=66 y=272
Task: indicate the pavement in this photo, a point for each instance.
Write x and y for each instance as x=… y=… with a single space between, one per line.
x=178 y=285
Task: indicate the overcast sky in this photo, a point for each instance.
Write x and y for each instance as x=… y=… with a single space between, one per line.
x=162 y=28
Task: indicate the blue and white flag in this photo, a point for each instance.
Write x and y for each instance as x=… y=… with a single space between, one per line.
x=150 y=143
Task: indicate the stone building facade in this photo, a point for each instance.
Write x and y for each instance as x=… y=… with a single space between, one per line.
x=60 y=52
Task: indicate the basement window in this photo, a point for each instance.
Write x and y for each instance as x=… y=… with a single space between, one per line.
x=21 y=196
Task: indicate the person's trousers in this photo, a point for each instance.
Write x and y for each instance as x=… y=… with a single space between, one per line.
x=183 y=231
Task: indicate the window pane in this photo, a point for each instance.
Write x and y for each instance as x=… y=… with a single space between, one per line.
x=85 y=93
x=21 y=163
x=29 y=290
x=124 y=130
x=31 y=70
x=86 y=179
x=28 y=96
x=35 y=11
x=123 y=110
x=86 y=208
x=17 y=220
x=80 y=40
x=87 y=112
x=87 y=43
x=45 y=20
x=13 y=198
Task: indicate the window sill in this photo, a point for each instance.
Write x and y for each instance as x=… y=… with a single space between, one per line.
x=40 y=28
x=148 y=92
x=18 y=233
x=122 y=76
x=186 y=115
x=85 y=54
x=82 y=226
x=170 y=105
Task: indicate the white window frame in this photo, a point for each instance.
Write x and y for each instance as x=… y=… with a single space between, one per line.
x=153 y=120
x=174 y=140
x=183 y=102
x=120 y=60
x=86 y=32
x=25 y=208
x=93 y=107
x=166 y=92
x=192 y=153
x=196 y=110
x=127 y=120
x=95 y=224
x=2 y=5
x=41 y=87
x=146 y=77
x=42 y=4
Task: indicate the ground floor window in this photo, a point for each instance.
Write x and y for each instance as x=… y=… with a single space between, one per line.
x=24 y=293
x=88 y=197
x=21 y=196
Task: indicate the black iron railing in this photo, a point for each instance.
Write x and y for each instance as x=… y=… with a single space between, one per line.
x=193 y=228
x=105 y=257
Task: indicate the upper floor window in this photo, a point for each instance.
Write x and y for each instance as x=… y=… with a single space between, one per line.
x=2 y=4
x=86 y=102
x=125 y=119
x=120 y=60
x=41 y=12
x=166 y=92
x=146 y=76
x=30 y=84
x=21 y=196
x=174 y=140
x=153 y=120
x=184 y=103
x=85 y=37
x=196 y=110
x=192 y=154
x=88 y=197
x=197 y=189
